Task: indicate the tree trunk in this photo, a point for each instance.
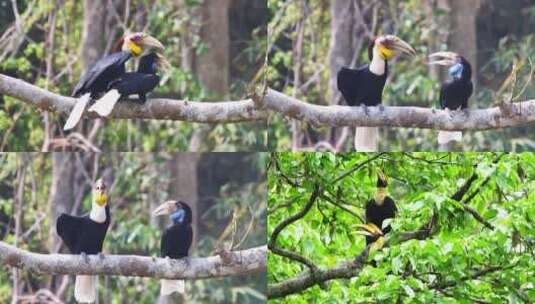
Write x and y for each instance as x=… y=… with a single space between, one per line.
x=93 y=31
x=212 y=65
x=463 y=36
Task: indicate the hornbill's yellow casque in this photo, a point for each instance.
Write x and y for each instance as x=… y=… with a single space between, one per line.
x=176 y=239
x=96 y=80
x=454 y=93
x=85 y=235
x=364 y=86
x=141 y=82
x=378 y=209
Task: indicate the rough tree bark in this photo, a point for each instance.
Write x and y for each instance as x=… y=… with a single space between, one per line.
x=231 y=263
x=93 y=29
x=509 y=115
x=205 y=112
x=212 y=65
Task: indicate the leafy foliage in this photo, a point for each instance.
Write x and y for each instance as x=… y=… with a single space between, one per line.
x=436 y=269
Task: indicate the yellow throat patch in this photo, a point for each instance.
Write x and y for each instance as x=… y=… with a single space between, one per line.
x=100 y=198
x=385 y=52
x=134 y=48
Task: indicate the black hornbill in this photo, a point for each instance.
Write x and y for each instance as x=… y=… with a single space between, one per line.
x=85 y=235
x=96 y=80
x=378 y=209
x=454 y=93
x=176 y=239
x=364 y=86
x=141 y=82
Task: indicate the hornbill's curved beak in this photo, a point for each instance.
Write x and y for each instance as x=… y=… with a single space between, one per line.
x=443 y=58
x=369 y=229
x=165 y=208
x=149 y=41
x=395 y=43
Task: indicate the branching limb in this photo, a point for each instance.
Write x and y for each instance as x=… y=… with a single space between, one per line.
x=232 y=264
x=514 y=115
x=160 y=108
x=272 y=244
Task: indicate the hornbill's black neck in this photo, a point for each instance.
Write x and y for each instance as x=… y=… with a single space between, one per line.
x=467 y=69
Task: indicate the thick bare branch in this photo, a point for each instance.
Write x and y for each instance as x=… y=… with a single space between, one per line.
x=232 y=263
x=510 y=115
x=159 y=108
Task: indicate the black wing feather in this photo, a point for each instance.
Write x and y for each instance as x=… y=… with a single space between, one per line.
x=110 y=66
x=68 y=228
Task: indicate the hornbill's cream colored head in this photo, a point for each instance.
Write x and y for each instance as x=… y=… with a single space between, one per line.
x=387 y=46
x=179 y=211
x=100 y=193
x=137 y=42
x=382 y=183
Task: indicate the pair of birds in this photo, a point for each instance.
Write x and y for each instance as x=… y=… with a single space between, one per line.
x=85 y=235
x=108 y=81
x=364 y=86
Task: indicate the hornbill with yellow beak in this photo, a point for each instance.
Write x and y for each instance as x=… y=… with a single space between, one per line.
x=454 y=93
x=378 y=209
x=97 y=79
x=176 y=240
x=141 y=82
x=84 y=235
x=364 y=86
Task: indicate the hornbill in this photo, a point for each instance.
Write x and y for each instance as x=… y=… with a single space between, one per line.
x=454 y=93
x=141 y=82
x=96 y=80
x=84 y=235
x=364 y=86
x=176 y=239
x=378 y=209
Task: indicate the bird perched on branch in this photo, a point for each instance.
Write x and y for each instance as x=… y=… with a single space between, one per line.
x=141 y=82
x=378 y=209
x=97 y=79
x=176 y=240
x=85 y=235
x=364 y=86
x=454 y=93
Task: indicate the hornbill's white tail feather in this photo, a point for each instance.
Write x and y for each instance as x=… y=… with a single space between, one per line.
x=105 y=105
x=445 y=137
x=366 y=139
x=77 y=112
x=85 y=289
x=170 y=286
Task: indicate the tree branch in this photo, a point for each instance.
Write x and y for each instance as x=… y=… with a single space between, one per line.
x=231 y=264
x=510 y=115
x=272 y=244
x=160 y=108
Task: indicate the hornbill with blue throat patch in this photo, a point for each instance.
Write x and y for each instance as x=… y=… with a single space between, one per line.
x=454 y=93
x=378 y=209
x=364 y=86
x=176 y=240
x=85 y=235
x=141 y=82
x=97 y=79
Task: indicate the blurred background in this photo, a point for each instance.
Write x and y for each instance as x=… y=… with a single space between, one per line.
x=216 y=49
x=310 y=40
x=229 y=209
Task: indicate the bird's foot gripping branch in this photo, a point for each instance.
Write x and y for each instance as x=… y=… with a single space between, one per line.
x=232 y=264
